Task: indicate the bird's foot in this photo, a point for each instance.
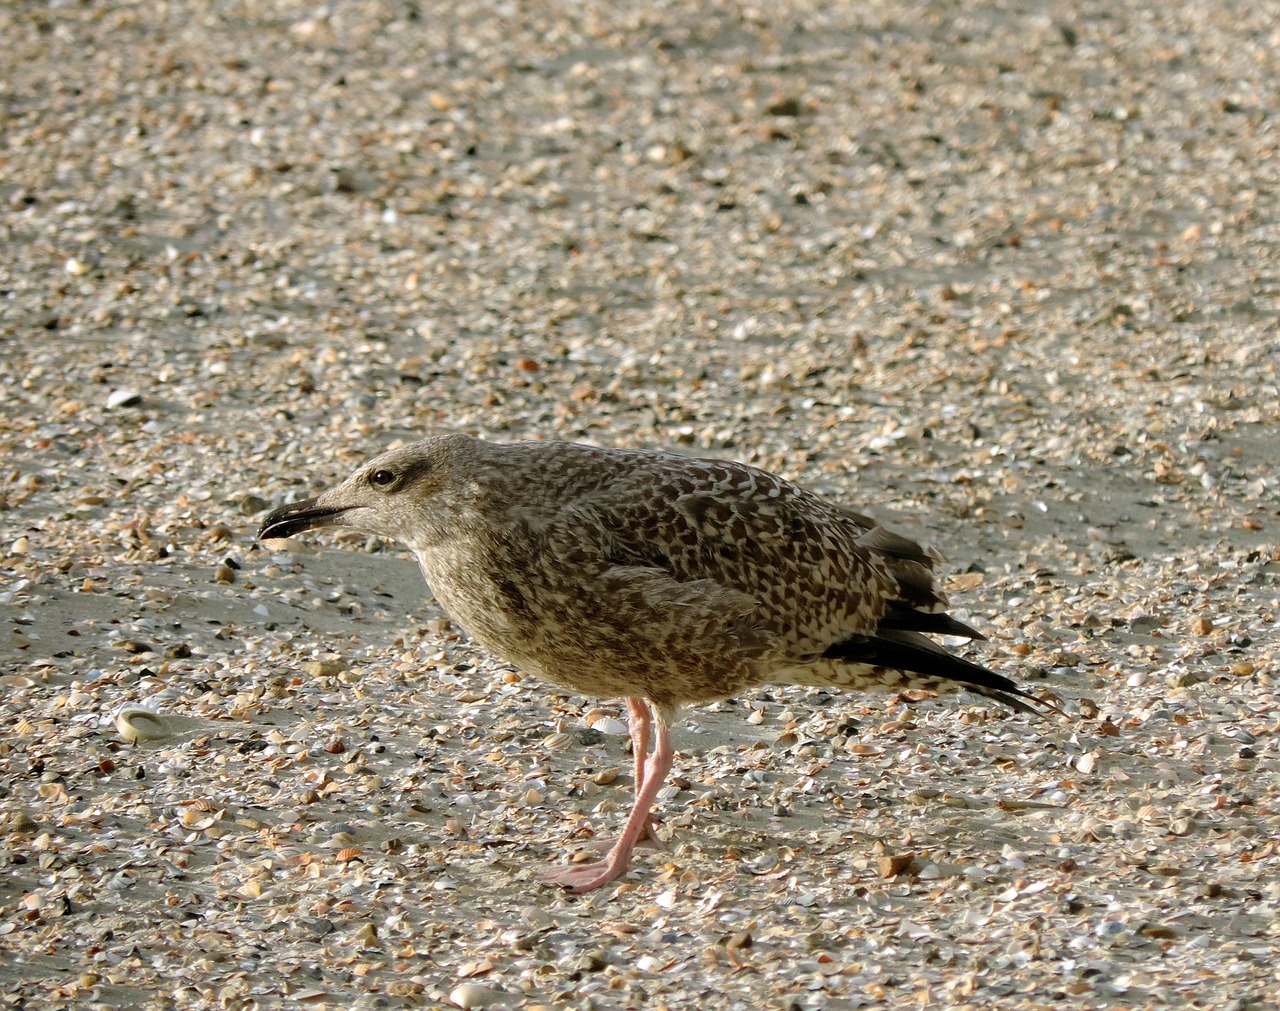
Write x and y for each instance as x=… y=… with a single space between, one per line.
x=580 y=878
x=649 y=840
x=583 y=877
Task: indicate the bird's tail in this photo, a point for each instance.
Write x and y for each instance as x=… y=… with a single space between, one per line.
x=900 y=650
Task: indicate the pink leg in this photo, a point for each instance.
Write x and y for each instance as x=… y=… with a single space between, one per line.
x=584 y=877
x=641 y=721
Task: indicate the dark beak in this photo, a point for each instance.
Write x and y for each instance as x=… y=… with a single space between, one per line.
x=296 y=517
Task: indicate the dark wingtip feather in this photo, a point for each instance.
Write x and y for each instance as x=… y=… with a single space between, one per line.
x=906 y=619
x=918 y=604
x=909 y=651
x=1013 y=698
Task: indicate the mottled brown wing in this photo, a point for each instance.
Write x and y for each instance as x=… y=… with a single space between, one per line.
x=747 y=531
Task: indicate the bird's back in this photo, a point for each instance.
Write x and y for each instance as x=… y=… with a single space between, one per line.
x=817 y=572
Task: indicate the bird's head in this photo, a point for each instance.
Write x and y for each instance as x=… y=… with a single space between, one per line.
x=405 y=493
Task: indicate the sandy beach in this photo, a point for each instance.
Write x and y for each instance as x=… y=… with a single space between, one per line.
x=1005 y=276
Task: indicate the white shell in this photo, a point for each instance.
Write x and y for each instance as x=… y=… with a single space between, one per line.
x=138 y=723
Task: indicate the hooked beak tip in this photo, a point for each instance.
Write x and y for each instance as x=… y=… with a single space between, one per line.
x=295 y=517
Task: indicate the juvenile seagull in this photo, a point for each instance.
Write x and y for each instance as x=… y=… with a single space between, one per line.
x=658 y=578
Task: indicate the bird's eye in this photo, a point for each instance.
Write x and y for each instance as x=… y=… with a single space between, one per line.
x=382 y=478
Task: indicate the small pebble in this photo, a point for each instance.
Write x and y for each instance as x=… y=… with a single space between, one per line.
x=324 y=668
x=123 y=398
x=251 y=505
x=20 y=822
x=592 y=961
x=890 y=866
x=471 y=995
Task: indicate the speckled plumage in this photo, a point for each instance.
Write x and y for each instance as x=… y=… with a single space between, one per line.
x=654 y=576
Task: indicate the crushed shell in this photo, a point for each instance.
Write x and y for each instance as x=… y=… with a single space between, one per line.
x=1003 y=275
x=138 y=723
